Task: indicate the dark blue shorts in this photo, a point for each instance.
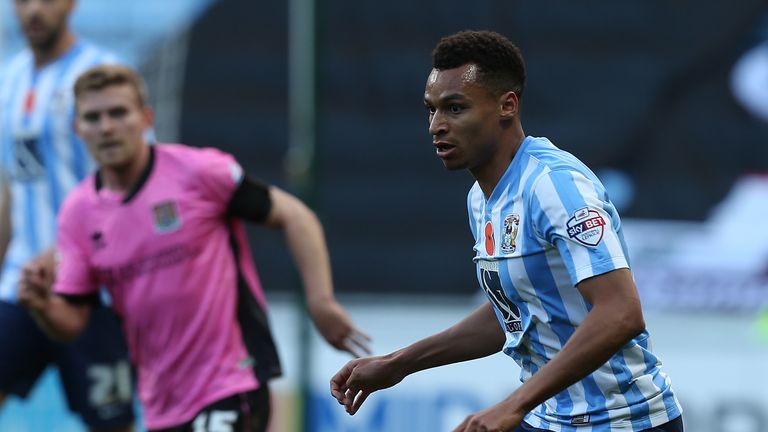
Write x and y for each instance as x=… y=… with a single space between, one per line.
x=675 y=425
x=95 y=369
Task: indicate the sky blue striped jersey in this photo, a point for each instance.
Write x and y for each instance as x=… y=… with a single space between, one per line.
x=548 y=225
x=40 y=152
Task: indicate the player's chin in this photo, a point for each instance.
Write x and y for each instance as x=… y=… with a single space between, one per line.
x=454 y=165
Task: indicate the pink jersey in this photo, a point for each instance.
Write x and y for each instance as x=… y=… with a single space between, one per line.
x=175 y=264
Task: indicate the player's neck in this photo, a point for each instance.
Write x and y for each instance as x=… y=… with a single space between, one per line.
x=45 y=56
x=123 y=179
x=489 y=174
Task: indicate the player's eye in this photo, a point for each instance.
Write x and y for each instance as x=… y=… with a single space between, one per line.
x=91 y=117
x=118 y=112
x=455 y=109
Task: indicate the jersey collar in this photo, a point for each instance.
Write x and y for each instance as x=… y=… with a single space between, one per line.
x=139 y=184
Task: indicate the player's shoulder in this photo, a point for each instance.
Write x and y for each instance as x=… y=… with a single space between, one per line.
x=85 y=55
x=552 y=161
x=187 y=153
x=97 y=53
x=189 y=159
x=80 y=199
x=19 y=63
x=549 y=155
x=21 y=59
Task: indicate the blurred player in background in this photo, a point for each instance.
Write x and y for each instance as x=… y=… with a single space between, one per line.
x=159 y=227
x=550 y=257
x=44 y=160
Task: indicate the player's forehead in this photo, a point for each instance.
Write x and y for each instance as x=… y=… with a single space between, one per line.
x=45 y=5
x=107 y=97
x=459 y=82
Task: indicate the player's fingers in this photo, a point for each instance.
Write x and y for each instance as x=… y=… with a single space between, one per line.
x=338 y=388
x=34 y=274
x=354 y=348
x=360 y=340
x=28 y=270
x=336 y=393
x=23 y=293
x=463 y=426
x=361 y=397
x=339 y=381
x=349 y=399
x=359 y=335
x=338 y=384
x=351 y=350
x=30 y=288
x=356 y=343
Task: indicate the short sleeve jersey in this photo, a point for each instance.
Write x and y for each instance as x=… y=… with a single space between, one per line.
x=547 y=226
x=39 y=150
x=165 y=255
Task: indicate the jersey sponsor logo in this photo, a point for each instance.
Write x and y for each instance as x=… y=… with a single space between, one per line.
x=28 y=163
x=580 y=420
x=509 y=312
x=146 y=264
x=490 y=244
x=511 y=225
x=586 y=226
x=166 y=217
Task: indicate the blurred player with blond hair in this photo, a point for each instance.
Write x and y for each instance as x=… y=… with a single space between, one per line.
x=160 y=227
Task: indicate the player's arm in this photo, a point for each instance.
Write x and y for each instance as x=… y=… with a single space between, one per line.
x=615 y=318
x=478 y=335
x=278 y=209
x=62 y=318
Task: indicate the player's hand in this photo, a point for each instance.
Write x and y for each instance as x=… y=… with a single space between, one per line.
x=352 y=385
x=337 y=328
x=501 y=417
x=35 y=286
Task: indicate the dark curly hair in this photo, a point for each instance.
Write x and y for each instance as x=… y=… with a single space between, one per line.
x=499 y=61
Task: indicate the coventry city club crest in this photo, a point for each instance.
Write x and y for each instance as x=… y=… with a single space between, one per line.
x=511 y=224
x=166 y=217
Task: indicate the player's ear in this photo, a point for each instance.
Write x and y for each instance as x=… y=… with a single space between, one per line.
x=75 y=126
x=149 y=116
x=509 y=105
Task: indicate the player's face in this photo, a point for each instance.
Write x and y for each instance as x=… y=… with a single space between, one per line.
x=43 y=21
x=112 y=124
x=463 y=118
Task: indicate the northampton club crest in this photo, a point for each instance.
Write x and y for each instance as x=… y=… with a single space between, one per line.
x=166 y=217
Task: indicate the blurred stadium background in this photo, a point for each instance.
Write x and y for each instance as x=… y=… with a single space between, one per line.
x=667 y=101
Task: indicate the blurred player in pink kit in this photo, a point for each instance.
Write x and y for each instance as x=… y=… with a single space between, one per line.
x=159 y=227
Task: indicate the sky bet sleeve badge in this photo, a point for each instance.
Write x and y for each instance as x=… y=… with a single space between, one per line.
x=511 y=224
x=586 y=226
